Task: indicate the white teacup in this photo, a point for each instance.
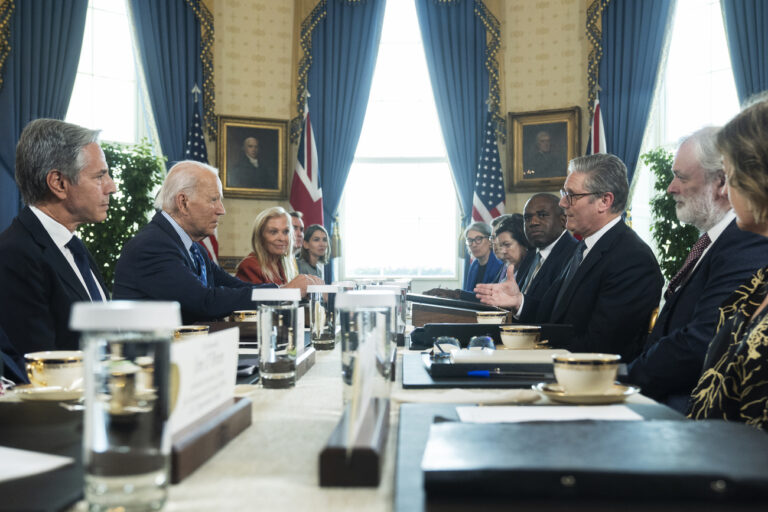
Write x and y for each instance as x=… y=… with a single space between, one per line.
x=245 y=315
x=586 y=373
x=190 y=331
x=60 y=368
x=491 y=317
x=520 y=336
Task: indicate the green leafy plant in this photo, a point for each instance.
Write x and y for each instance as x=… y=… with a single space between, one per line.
x=137 y=173
x=673 y=239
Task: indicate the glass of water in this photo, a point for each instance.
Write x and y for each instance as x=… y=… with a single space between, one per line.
x=279 y=335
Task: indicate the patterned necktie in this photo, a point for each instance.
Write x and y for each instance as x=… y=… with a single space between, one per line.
x=199 y=260
x=80 y=253
x=537 y=261
x=696 y=251
x=578 y=254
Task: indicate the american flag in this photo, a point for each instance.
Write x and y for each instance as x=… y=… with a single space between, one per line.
x=596 y=142
x=196 y=150
x=489 y=198
x=306 y=194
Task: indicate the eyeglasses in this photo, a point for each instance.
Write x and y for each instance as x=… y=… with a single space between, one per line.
x=476 y=240
x=569 y=197
x=539 y=215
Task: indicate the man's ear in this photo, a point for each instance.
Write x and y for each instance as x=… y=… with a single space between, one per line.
x=721 y=191
x=606 y=201
x=57 y=183
x=182 y=202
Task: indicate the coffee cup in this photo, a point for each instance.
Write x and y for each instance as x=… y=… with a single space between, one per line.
x=245 y=315
x=491 y=317
x=586 y=373
x=189 y=331
x=520 y=336
x=55 y=368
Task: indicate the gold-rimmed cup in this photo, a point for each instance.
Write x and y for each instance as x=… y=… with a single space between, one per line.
x=520 y=337
x=61 y=368
x=586 y=373
x=491 y=317
x=189 y=331
x=245 y=315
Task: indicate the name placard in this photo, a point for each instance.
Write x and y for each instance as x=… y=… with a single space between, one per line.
x=203 y=372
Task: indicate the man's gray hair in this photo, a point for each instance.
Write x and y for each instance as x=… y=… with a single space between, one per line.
x=705 y=149
x=45 y=145
x=604 y=173
x=179 y=180
x=480 y=227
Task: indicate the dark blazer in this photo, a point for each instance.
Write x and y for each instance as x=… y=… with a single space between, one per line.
x=525 y=266
x=670 y=364
x=492 y=269
x=610 y=299
x=154 y=265
x=37 y=289
x=553 y=267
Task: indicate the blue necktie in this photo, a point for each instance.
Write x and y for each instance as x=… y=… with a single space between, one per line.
x=578 y=254
x=197 y=257
x=76 y=246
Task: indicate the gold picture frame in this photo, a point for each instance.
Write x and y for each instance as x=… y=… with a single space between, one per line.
x=252 y=156
x=541 y=145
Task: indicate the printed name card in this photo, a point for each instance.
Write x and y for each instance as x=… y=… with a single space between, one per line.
x=203 y=373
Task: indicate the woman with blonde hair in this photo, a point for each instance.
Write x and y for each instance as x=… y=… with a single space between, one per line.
x=272 y=258
x=734 y=383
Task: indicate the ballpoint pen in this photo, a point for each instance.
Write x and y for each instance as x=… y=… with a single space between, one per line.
x=497 y=372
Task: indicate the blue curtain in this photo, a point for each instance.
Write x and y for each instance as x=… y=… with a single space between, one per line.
x=168 y=36
x=746 y=28
x=632 y=41
x=38 y=77
x=345 y=45
x=454 y=44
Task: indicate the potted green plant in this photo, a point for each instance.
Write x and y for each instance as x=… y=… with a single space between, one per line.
x=137 y=173
x=673 y=239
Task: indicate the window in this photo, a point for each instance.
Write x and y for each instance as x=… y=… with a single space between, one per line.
x=696 y=89
x=106 y=94
x=399 y=212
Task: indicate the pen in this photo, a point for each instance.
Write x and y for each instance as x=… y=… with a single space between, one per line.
x=485 y=374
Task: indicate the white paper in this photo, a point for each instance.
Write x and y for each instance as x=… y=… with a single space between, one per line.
x=518 y=413
x=207 y=369
x=22 y=463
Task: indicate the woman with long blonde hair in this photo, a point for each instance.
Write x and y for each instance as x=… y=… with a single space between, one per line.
x=272 y=258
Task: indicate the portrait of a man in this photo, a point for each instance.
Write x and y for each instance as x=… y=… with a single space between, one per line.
x=254 y=167
x=545 y=150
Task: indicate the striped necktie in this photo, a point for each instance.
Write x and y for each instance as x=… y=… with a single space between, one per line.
x=199 y=260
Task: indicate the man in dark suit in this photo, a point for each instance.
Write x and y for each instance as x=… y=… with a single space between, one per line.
x=165 y=262
x=613 y=281
x=545 y=229
x=722 y=259
x=252 y=170
x=44 y=268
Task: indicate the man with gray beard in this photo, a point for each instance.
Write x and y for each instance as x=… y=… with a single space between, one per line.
x=724 y=256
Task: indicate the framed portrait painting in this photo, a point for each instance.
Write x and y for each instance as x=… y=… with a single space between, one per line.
x=252 y=157
x=541 y=145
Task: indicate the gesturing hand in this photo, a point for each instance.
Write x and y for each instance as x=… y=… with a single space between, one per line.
x=505 y=295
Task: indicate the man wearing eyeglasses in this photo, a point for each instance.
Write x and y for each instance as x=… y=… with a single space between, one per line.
x=613 y=281
x=545 y=229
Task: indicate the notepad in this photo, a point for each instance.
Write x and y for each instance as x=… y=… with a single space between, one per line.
x=22 y=463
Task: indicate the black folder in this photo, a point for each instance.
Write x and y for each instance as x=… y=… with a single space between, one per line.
x=713 y=460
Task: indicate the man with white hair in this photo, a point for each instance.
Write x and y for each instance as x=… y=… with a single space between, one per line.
x=722 y=258
x=165 y=262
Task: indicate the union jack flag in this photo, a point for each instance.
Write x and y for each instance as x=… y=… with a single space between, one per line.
x=488 y=201
x=306 y=194
x=596 y=142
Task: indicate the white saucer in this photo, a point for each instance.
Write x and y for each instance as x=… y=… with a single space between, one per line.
x=555 y=392
x=46 y=394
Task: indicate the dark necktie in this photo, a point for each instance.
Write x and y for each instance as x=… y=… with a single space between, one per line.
x=573 y=266
x=80 y=253
x=535 y=266
x=199 y=260
x=696 y=251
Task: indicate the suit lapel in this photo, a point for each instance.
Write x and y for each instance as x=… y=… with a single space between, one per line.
x=52 y=254
x=163 y=224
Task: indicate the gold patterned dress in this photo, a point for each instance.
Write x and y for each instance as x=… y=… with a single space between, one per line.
x=734 y=384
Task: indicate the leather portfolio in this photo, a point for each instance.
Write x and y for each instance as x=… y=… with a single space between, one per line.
x=713 y=460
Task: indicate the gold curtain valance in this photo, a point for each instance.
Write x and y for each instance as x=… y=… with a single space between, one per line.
x=594 y=35
x=6 y=12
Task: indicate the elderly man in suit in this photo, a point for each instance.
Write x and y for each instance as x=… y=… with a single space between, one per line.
x=613 y=281
x=545 y=229
x=164 y=260
x=722 y=258
x=44 y=267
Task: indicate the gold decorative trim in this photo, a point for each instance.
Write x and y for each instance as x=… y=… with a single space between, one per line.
x=594 y=35
x=6 y=11
x=493 y=44
x=206 y=57
x=307 y=27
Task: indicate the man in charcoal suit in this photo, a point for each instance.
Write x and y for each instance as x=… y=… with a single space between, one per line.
x=44 y=267
x=722 y=259
x=613 y=281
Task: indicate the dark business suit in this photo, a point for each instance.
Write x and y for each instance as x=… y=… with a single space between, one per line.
x=670 y=365
x=610 y=299
x=38 y=287
x=553 y=267
x=154 y=265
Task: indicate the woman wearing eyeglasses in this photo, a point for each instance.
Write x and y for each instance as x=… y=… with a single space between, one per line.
x=485 y=266
x=734 y=383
